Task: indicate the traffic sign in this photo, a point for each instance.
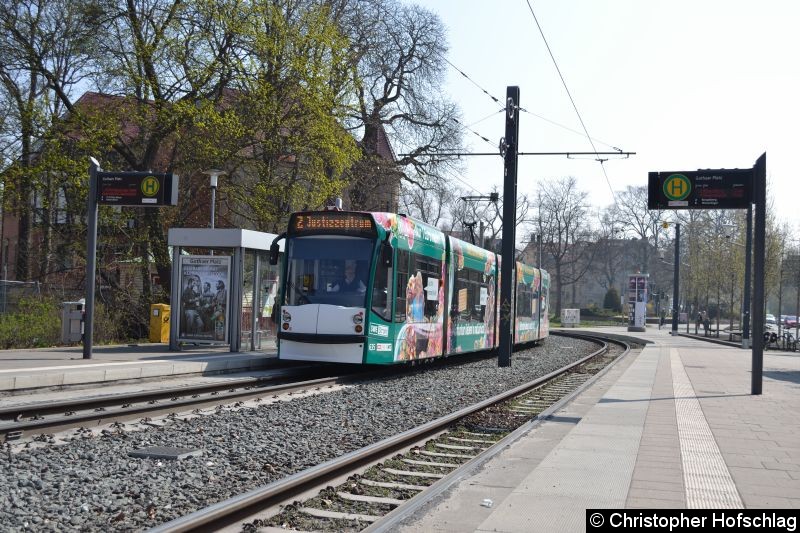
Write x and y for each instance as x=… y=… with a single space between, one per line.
x=700 y=189
x=142 y=189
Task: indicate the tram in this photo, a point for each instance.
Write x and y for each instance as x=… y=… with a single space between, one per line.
x=383 y=288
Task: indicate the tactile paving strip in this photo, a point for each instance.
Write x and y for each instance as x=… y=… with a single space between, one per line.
x=706 y=477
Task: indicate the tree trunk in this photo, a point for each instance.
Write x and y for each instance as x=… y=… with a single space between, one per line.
x=558 y=289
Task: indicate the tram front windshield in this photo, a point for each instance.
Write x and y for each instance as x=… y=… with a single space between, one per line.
x=328 y=269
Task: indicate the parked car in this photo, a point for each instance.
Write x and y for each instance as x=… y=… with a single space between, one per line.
x=771 y=319
x=790 y=321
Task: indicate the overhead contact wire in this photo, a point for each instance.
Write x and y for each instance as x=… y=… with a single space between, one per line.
x=572 y=100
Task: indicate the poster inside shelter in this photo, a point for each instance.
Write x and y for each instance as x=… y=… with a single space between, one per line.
x=204 y=301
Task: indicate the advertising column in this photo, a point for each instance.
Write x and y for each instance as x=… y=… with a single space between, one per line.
x=637 y=302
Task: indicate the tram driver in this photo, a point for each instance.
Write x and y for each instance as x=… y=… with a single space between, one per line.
x=350 y=282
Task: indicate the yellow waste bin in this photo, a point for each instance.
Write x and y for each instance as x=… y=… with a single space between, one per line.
x=159 y=323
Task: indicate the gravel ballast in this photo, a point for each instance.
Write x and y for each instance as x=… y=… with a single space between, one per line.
x=92 y=484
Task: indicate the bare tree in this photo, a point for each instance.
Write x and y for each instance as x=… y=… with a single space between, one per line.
x=609 y=261
x=432 y=205
x=398 y=57
x=633 y=217
x=562 y=222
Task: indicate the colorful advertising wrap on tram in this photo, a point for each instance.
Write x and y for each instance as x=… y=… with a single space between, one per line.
x=383 y=288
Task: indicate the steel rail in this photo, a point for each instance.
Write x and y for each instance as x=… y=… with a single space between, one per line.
x=130 y=405
x=41 y=408
x=15 y=430
x=244 y=505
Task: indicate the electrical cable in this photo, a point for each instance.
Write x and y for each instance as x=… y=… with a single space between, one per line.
x=574 y=106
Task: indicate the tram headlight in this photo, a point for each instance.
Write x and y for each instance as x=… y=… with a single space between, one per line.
x=286 y=316
x=358 y=318
x=359 y=328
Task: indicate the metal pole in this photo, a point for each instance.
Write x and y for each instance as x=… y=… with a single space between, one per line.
x=91 y=258
x=213 y=204
x=797 y=288
x=175 y=300
x=539 y=238
x=509 y=225
x=797 y=302
x=676 y=280
x=748 y=260
x=760 y=195
x=780 y=292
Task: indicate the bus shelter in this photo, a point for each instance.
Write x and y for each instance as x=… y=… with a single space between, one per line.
x=223 y=288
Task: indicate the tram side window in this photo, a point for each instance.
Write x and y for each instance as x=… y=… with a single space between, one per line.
x=402 y=282
x=468 y=287
x=524 y=300
x=427 y=269
x=381 y=298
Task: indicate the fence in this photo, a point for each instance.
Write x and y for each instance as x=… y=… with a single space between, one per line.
x=11 y=292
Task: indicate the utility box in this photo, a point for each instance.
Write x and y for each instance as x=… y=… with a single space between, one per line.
x=72 y=321
x=570 y=318
x=159 y=322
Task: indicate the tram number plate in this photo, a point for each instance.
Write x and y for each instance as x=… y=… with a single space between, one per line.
x=377 y=329
x=380 y=346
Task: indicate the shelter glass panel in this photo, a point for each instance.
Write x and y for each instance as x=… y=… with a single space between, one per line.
x=248 y=300
x=267 y=290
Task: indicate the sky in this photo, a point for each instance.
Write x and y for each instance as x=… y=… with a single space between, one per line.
x=686 y=84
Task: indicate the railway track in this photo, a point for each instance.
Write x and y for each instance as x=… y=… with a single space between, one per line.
x=20 y=421
x=377 y=486
x=42 y=418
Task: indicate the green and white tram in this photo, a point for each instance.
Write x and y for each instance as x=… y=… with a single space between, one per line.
x=382 y=288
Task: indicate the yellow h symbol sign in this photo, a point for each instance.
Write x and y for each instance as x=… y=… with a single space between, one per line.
x=150 y=186
x=677 y=187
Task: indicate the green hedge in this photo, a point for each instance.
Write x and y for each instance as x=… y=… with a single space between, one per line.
x=36 y=324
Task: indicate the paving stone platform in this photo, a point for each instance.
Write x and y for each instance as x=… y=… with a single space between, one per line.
x=670 y=426
x=26 y=371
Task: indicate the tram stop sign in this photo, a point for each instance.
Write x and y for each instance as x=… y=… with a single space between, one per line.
x=142 y=189
x=700 y=189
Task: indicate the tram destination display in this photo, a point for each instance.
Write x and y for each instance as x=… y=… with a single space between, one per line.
x=700 y=189
x=140 y=189
x=360 y=224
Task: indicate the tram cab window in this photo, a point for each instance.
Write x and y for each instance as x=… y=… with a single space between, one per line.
x=382 y=286
x=331 y=270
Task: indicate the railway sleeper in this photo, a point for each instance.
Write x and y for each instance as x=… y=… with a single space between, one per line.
x=402 y=464
x=393 y=486
x=441 y=454
x=457 y=447
x=476 y=441
x=407 y=473
x=331 y=499
x=370 y=499
x=320 y=513
x=430 y=463
x=485 y=435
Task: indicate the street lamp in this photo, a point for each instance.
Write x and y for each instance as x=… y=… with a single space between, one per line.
x=214 y=175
